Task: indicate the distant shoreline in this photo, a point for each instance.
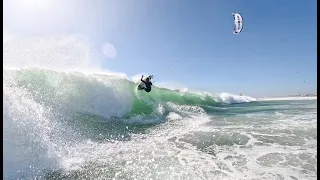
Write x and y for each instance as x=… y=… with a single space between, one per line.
x=288 y=98
x=291 y=96
x=303 y=95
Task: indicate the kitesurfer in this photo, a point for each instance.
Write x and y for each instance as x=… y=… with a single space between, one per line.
x=147 y=82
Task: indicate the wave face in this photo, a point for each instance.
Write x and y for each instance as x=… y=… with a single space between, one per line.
x=102 y=95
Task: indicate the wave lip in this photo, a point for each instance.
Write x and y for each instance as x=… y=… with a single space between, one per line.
x=231 y=98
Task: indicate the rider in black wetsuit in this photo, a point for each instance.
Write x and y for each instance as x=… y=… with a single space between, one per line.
x=148 y=84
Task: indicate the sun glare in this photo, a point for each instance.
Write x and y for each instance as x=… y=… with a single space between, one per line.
x=35 y=5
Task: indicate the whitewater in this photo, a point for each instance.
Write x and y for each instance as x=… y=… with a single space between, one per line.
x=64 y=118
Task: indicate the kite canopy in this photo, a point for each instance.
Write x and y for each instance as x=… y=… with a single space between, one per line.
x=238 y=23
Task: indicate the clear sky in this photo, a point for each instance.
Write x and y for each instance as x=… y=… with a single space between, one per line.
x=275 y=54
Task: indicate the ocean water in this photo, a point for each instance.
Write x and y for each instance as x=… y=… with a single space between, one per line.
x=80 y=125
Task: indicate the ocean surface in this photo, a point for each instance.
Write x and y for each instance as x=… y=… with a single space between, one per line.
x=63 y=122
x=73 y=125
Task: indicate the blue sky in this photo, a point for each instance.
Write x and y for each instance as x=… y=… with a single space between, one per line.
x=273 y=55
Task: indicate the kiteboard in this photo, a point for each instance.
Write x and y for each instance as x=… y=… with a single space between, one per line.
x=141 y=86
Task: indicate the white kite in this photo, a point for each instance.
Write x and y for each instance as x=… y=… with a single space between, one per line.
x=238 y=23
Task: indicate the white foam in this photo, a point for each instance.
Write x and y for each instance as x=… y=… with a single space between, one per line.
x=154 y=156
x=27 y=132
x=232 y=98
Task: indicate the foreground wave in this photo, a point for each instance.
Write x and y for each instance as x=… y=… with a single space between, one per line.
x=74 y=125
